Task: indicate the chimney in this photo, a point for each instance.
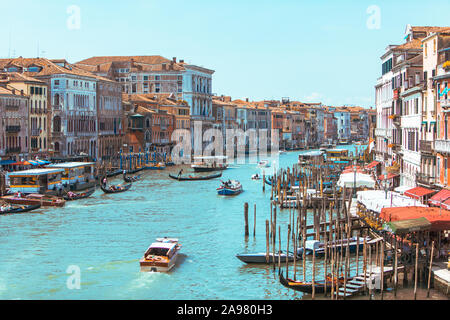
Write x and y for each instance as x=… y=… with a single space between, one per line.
x=181 y=61
x=174 y=59
x=246 y=99
x=164 y=66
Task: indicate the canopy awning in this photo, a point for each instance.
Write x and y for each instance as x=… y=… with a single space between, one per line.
x=373 y=164
x=409 y=225
x=389 y=176
x=351 y=179
x=442 y=198
x=6 y=162
x=418 y=192
x=439 y=218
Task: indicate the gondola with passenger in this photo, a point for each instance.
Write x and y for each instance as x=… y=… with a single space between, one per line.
x=8 y=209
x=70 y=196
x=115 y=188
x=195 y=178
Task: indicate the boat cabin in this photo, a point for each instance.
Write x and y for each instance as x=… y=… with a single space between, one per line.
x=75 y=172
x=333 y=155
x=312 y=157
x=35 y=180
x=161 y=249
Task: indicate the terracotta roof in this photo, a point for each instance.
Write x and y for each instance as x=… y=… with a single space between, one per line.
x=440 y=219
x=413 y=44
x=16 y=92
x=108 y=59
x=429 y=29
x=49 y=67
x=418 y=192
x=19 y=77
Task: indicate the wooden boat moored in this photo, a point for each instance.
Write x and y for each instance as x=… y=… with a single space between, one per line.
x=34 y=199
x=261 y=257
x=306 y=287
x=161 y=256
x=19 y=209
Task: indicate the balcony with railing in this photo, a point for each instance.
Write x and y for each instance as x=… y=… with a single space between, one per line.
x=425 y=179
x=442 y=146
x=426 y=146
x=12 y=129
x=35 y=132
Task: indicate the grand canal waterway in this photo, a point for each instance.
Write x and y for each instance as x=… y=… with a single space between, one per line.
x=106 y=235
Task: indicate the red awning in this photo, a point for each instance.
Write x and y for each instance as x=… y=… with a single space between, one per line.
x=441 y=198
x=439 y=218
x=418 y=192
x=373 y=164
x=352 y=166
x=389 y=176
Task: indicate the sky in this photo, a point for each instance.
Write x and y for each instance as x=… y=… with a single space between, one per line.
x=309 y=51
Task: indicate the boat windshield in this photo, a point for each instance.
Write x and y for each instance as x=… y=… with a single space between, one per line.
x=158 y=251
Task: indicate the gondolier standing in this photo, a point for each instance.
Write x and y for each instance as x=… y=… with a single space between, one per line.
x=179 y=173
x=104 y=182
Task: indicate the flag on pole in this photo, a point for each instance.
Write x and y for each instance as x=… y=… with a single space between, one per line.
x=371 y=144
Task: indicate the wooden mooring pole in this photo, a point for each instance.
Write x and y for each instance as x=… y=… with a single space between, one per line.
x=246 y=218
x=430 y=269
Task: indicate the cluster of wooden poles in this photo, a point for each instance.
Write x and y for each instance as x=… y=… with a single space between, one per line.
x=340 y=225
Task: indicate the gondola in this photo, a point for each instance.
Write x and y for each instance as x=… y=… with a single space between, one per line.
x=123 y=188
x=196 y=178
x=306 y=287
x=131 y=179
x=114 y=173
x=20 y=209
x=78 y=196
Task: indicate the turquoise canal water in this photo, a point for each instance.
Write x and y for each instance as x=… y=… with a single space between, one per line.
x=106 y=235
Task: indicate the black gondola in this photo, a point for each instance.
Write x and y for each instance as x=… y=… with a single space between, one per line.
x=21 y=208
x=191 y=178
x=118 y=188
x=131 y=179
x=80 y=195
x=306 y=287
x=114 y=173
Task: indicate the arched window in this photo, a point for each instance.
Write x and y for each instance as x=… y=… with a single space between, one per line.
x=57 y=124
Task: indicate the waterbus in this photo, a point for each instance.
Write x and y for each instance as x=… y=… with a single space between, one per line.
x=35 y=180
x=76 y=175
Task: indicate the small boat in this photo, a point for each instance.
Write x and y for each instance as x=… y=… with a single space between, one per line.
x=195 y=178
x=77 y=196
x=306 y=287
x=116 y=188
x=209 y=163
x=161 y=255
x=281 y=151
x=256 y=177
x=263 y=164
x=229 y=188
x=19 y=209
x=131 y=179
x=261 y=257
x=158 y=166
x=113 y=173
x=338 y=244
x=34 y=199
